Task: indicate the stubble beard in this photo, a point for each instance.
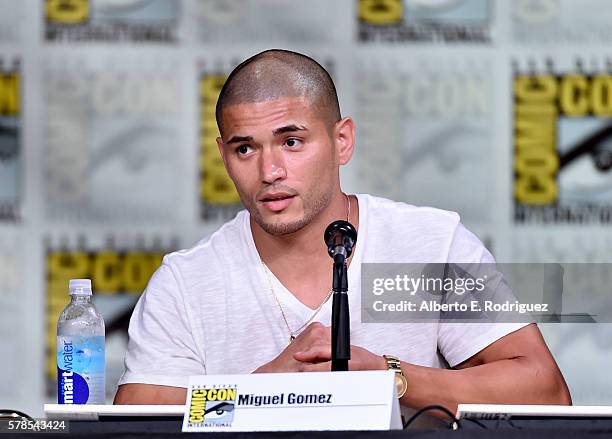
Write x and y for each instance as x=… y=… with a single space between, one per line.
x=312 y=207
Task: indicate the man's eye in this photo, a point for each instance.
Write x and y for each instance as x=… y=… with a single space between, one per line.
x=292 y=143
x=243 y=149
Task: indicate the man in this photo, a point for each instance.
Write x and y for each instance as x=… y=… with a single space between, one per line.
x=233 y=302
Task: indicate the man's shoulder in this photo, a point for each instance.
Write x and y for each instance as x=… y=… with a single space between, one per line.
x=213 y=249
x=400 y=232
x=400 y=213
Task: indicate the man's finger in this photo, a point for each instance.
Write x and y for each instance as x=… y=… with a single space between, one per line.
x=315 y=331
x=314 y=354
x=316 y=367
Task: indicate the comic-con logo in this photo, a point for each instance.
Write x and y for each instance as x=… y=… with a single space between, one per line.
x=10 y=109
x=119 y=276
x=10 y=135
x=559 y=21
x=563 y=147
x=212 y=406
x=111 y=20
x=393 y=21
x=218 y=195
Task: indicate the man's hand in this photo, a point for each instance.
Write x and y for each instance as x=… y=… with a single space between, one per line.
x=516 y=369
x=318 y=359
x=315 y=336
x=311 y=352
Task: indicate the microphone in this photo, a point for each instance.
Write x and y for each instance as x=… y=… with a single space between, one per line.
x=340 y=237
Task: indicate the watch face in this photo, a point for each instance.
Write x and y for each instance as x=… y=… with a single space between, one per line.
x=400 y=384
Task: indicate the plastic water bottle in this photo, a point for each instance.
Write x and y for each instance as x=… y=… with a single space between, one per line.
x=80 y=349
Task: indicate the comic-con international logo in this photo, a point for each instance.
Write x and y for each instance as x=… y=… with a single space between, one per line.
x=560 y=21
x=212 y=406
x=119 y=273
x=394 y=21
x=10 y=134
x=111 y=20
x=563 y=147
x=217 y=194
x=9 y=111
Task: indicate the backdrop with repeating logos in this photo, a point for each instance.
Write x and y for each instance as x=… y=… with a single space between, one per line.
x=499 y=110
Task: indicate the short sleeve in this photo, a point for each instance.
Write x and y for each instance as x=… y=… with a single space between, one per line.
x=161 y=347
x=459 y=341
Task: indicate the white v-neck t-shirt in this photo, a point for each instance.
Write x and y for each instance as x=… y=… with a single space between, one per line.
x=209 y=309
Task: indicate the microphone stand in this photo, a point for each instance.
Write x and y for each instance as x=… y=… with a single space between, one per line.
x=341 y=325
x=340 y=237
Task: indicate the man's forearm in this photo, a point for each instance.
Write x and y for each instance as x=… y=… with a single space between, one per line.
x=150 y=394
x=508 y=381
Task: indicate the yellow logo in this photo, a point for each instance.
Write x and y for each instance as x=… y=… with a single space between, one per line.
x=381 y=12
x=213 y=407
x=67 y=11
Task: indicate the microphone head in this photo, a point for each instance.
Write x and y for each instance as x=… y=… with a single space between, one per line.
x=340 y=233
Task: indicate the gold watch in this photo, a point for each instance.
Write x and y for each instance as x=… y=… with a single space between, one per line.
x=401 y=384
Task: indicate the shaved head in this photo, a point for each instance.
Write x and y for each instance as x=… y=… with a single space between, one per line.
x=275 y=74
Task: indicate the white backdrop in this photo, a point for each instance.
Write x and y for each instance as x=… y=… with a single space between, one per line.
x=107 y=154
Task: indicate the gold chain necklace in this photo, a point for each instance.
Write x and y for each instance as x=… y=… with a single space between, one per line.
x=292 y=334
x=267 y=271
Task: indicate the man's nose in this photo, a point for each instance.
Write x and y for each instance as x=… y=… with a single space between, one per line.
x=272 y=166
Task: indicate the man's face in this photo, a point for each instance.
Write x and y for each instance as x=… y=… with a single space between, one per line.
x=282 y=160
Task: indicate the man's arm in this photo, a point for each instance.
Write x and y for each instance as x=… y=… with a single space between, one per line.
x=161 y=348
x=150 y=394
x=516 y=369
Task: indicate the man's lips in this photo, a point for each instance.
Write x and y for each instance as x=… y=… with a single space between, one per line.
x=276 y=202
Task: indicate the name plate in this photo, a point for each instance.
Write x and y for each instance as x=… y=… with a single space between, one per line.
x=292 y=402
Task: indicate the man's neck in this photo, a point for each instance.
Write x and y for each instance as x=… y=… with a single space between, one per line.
x=303 y=250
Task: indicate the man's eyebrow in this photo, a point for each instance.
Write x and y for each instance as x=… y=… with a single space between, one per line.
x=276 y=132
x=238 y=139
x=288 y=129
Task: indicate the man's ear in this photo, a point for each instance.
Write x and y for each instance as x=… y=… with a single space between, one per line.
x=221 y=150
x=344 y=139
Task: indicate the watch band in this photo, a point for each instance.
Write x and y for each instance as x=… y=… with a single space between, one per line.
x=393 y=363
x=401 y=384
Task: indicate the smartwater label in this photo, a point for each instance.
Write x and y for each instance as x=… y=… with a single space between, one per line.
x=80 y=370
